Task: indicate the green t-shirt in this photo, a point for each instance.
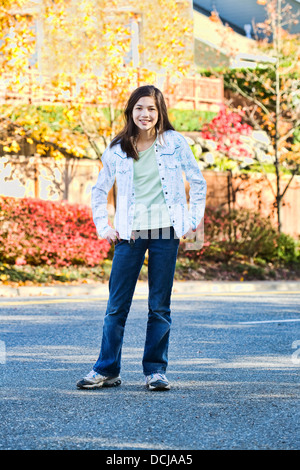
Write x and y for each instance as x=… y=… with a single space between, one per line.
x=151 y=211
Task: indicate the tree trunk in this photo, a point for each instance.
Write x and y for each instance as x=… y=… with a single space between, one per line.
x=277 y=31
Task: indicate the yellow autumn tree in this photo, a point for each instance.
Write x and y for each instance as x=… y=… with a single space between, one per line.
x=108 y=59
x=93 y=53
x=167 y=35
x=17 y=41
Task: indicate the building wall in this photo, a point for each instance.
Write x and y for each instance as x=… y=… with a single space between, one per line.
x=131 y=14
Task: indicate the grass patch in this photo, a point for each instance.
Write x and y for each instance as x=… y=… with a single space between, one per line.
x=49 y=275
x=186 y=270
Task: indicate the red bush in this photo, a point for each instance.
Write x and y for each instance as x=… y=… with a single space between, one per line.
x=38 y=232
x=226 y=130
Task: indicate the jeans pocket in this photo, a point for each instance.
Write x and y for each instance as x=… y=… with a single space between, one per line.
x=119 y=242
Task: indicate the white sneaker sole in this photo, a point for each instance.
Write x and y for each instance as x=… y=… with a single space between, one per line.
x=114 y=382
x=158 y=387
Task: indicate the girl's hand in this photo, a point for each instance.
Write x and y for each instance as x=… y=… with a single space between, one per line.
x=111 y=236
x=189 y=233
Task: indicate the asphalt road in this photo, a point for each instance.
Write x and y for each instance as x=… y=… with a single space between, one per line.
x=234 y=363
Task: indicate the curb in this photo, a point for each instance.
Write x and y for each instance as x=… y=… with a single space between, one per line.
x=179 y=287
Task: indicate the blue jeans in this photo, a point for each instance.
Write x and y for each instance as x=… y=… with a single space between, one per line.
x=162 y=246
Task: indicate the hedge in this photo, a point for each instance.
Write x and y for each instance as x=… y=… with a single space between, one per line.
x=38 y=232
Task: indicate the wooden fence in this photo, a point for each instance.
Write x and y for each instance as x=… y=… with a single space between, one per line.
x=255 y=192
x=193 y=92
x=73 y=179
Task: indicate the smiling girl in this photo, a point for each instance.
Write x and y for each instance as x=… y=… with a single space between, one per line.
x=147 y=159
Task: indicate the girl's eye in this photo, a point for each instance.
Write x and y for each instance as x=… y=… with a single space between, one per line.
x=140 y=107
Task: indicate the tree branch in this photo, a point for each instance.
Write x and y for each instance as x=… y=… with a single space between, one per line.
x=251 y=98
x=289 y=182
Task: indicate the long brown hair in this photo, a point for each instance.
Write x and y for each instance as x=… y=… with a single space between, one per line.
x=129 y=133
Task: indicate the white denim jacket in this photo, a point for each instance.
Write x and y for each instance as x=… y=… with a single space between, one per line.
x=173 y=155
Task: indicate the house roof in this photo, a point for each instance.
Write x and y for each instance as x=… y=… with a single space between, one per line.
x=212 y=40
x=238 y=13
x=216 y=45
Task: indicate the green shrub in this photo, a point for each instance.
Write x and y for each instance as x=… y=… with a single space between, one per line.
x=242 y=234
x=189 y=120
x=287 y=249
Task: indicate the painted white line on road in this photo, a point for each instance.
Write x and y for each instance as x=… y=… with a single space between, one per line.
x=220 y=293
x=268 y=321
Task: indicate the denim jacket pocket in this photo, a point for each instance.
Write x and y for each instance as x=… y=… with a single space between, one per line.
x=171 y=163
x=122 y=166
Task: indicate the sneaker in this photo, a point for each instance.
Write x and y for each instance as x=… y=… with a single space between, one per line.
x=94 y=380
x=157 y=382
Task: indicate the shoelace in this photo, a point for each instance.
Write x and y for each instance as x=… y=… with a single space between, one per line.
x=158 y=376
x=91 y=375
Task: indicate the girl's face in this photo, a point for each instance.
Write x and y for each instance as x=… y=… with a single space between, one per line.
x=145 y=114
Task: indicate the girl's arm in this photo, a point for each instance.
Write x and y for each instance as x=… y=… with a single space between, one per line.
x=100 y=192
x=197 y=184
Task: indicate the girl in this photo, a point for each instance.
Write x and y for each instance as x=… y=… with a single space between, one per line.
x=147 y=159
